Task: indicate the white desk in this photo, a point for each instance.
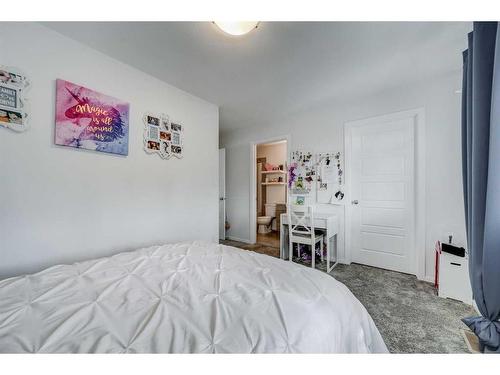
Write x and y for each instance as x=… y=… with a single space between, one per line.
x=327 y=222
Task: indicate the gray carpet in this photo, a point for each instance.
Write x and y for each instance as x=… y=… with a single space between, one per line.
x=408 y=313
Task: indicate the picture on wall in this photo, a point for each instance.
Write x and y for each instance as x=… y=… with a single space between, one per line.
x=329 y=177
x=301 y=172
x=90 y=120
x=162 y=137
x=153 y=121
x=165 y=136
x=13 y=105
x=154 y=145
x=154 y=132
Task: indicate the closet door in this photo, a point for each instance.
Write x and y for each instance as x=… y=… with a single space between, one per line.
x=222 y=194
x=382 y=208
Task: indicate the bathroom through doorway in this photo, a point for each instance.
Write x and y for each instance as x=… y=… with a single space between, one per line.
x=271 y=190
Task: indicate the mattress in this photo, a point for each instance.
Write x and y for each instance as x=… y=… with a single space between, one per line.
x=191 y=297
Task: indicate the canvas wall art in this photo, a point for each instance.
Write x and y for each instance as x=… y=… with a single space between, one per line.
x=162 y=137
x=90 y=120
x=13 y=104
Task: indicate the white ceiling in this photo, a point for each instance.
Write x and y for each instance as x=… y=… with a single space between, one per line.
x=282 y=67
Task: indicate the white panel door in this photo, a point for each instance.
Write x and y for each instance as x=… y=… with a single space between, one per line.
x=222 y=194
x=383 y=194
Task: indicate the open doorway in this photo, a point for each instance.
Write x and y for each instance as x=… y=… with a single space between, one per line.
x=270 y=186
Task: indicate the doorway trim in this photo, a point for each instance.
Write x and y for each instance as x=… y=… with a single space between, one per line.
x=222 y=199
x=253 y=179
x=419 y=180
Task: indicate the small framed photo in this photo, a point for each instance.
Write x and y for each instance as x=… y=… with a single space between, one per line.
x=165 y=147
x=8 y=97
x=176 y=149
x=8 y=77
x=154 y=145
x=165 y=136
x=153 y=121
x=153 y=133
x=11 y=117
x=165 y=123
x=13 y=103
x=176 y=127
x=300 y=200
x=176 y=139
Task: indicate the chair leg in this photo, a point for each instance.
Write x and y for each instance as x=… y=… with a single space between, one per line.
x=327 y=257
x=313 y=255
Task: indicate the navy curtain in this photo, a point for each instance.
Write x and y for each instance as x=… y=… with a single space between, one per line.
x=481 y=177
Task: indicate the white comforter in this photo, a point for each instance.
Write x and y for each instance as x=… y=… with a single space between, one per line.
x=190 y=298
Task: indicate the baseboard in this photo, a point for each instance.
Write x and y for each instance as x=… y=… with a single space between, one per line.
x=429 y=279
x=232 y=238
x=471 y=341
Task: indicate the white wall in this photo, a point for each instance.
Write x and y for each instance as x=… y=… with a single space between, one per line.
x=60 y=204
x=321 y=129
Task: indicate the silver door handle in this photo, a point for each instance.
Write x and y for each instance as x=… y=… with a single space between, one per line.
x=355 y=201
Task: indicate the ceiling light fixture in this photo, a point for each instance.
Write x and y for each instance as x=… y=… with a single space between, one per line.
x=237 y=28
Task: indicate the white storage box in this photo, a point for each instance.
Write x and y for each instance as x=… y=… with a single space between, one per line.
x=454 y=278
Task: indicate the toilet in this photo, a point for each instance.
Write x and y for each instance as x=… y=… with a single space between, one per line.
x=264 y=222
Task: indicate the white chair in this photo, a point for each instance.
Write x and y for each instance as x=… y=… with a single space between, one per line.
x=301 y=231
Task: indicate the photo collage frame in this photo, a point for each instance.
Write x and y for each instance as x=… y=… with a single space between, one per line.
x=319 y=173
x=13 y=105
x=162 y=137
x=301 y=174
x=329 y=177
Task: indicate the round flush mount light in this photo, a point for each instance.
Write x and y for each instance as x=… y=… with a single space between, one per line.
x=237 y=28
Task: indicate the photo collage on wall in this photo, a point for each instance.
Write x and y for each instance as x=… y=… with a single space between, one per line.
x=301 y=174
x=162 y=137
x=13 y=86
x=329 y=177
x=323 y=170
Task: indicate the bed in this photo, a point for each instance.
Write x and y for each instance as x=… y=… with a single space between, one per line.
x=191 y=297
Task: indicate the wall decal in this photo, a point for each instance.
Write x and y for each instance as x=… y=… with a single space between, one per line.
x=162 y=137
x=13 y=105
x=90 y=120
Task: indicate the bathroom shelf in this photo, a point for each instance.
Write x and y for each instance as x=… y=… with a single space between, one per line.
x=274 y=183
x=273 y=172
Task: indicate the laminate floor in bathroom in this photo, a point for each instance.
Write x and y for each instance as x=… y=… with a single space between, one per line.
x=269 y=239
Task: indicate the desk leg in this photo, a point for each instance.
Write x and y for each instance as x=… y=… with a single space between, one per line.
x=282 y=241
x=284 y=248
x=328 y=250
